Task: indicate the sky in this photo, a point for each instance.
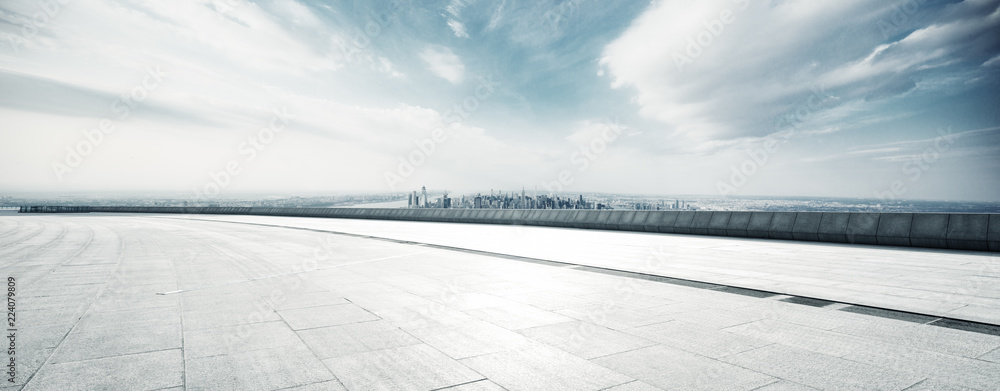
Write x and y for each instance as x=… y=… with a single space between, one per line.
x=870 y=99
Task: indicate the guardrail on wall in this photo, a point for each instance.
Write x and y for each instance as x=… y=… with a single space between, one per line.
x=962 y=231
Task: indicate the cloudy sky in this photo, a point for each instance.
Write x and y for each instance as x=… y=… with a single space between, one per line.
x=738 y=97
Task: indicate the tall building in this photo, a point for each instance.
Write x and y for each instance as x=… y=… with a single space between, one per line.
x=423 y=195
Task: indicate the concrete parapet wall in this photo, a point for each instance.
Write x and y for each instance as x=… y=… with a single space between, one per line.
x=833 y=227
x=737 y=225
x=862 y=227
x=781 y=225
x=959 y=231
x=759 y=224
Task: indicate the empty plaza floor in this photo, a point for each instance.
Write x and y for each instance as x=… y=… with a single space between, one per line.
x=150 y=302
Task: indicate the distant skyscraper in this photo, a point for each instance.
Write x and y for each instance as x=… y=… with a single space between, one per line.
x=423 y=195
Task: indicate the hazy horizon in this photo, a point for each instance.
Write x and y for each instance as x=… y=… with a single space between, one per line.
x=742 y=98
x=438 y=192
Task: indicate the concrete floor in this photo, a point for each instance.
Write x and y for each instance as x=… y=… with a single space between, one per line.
x=947 y=283
x=146 y=302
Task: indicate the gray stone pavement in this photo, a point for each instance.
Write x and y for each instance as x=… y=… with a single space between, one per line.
x=948 y=283
x=160 y=302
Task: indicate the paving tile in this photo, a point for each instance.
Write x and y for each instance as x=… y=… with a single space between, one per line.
x=470 y=300
x=479 y=385
x=330 y=385
x=415 y=367
x=134 y=303
x=330 y=315
x=132 y=318
x=549 y=300
x=956 y=370
x=634 y=386
x=671 y=368
x=306 y=300
x=584 y=339
x=45 y=336
x=821 y=371
x=386 y=300
x=215 y=296
x=343 y=340
x=470 y=339
x=802 y=337
x=543 y=368
x=718 y=318
x=227 y=316
x=993 y=356
x=626 y=297
x=938 y=339
x=696 y=339
x=936 y=385
x=115 y=342
x=785 y=385
x=234 y=339
x=143 y=371
x=421 y=316
x=819 y=318
x=518 y=316
x=613 y=317
x=261 y=369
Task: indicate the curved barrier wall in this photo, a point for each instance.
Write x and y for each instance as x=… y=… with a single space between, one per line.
x=959 y=231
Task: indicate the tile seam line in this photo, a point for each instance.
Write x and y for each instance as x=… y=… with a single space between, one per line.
x=104 y=287
x=631 y=274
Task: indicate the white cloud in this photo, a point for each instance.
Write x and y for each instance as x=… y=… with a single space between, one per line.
x=455 y=7
x=386 y=67
x=444 y=63
x=497 y=15
x=458 y=28
x=711 y=80
x=993 y=61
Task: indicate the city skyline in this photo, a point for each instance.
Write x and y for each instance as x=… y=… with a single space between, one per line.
x=891 y=100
